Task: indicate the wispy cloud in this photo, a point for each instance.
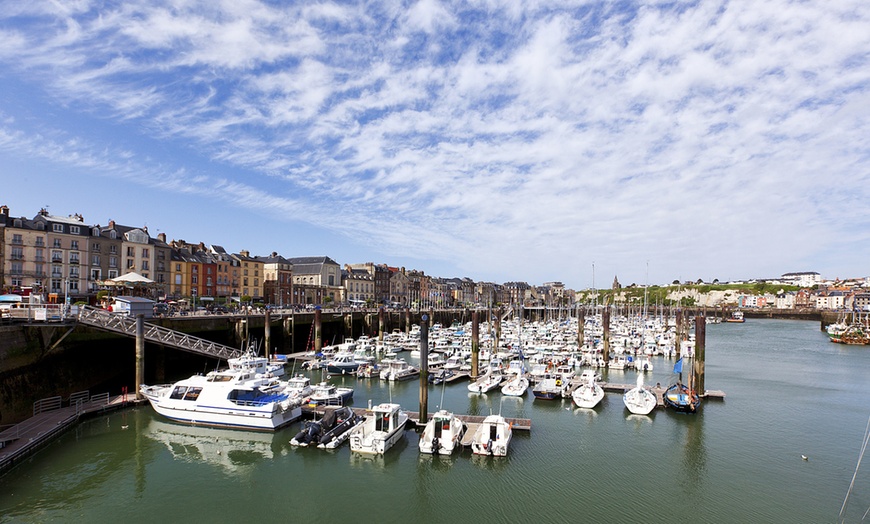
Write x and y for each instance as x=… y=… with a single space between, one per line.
x=513 y=140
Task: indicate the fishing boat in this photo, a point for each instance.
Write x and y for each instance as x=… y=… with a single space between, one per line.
x=492 y=437
x=251 y=361
x=588 y=394
x=516 y=386
x=736 y=317
x=639 y=400
x=551 y=386
x=228 y=398
x=383 y=426
x=682 y=397
x=442 y=434
x=330 y=430
x=397 y=370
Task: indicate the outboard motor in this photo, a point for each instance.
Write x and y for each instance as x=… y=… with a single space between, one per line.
x=435 y=445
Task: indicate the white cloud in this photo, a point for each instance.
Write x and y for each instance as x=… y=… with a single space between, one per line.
x=495 y=135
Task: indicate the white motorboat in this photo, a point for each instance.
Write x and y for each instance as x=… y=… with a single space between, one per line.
x=326 y=394
x=588 y=394
x=442 y=434
x=486 y=383
x=342 y=363
x=492 y=437
x=250 y=361
x=397 y=370
x=227 y=398
x=299 y=387
x=384 y=424
x=516 y=386
x=639 y=400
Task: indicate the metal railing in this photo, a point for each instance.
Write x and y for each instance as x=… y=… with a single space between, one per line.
x=119 y=323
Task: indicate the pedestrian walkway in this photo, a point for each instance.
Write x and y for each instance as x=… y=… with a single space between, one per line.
x=50 y=419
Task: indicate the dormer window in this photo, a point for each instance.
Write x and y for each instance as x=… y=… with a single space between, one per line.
x=57 y=228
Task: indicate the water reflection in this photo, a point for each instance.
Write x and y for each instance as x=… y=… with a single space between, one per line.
x=694 y=463
x=233 y=451
x=380 y=462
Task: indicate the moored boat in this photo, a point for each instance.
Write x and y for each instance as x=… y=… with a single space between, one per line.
x=588 y=394
x=516 y=386
x=228 y=398
x=492 y=437
x=442 y=434
x=383 y=426
x=639 y=400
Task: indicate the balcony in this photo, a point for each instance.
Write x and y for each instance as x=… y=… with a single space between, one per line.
x=57 y=260
x=40 y=258
x=16 y=256
x=74 y=261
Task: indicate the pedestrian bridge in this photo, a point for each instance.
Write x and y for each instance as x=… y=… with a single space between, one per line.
x=122 y=324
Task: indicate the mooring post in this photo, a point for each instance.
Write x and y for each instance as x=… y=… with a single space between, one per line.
x=678 y=339
x=700 y=353
x=381 y=324
x=267 y=333
x=475 y=344
x=407 y=321
x=424 y=369
x=605 y=324
x=494 y=344
x=140 y=354
x=581 y=322
x=318 y=343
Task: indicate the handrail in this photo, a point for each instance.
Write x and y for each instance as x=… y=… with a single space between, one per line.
x=118 y=323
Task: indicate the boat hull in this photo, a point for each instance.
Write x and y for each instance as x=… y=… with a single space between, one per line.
x=247 y=417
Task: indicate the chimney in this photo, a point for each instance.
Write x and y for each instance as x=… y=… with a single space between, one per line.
x=4 y=210
x=111 y=224
x=161 y=237
x=245 y=253
x=145 y=229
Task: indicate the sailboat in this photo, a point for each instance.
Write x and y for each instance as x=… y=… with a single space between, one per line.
x=682 y=397
x=639 y=400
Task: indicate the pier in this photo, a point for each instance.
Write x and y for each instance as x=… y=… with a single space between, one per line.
x=50 y=419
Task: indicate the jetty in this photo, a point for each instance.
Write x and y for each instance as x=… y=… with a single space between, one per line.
x=51 y=417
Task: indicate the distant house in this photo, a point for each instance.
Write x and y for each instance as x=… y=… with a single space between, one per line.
x=133 y=306
x=803 y=279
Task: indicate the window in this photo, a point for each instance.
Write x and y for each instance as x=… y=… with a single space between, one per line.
x=113 y=249
x=56 y=271
x=194 y=279
x=40 y=270
x=95 y=246
x=40 y=241
x=145 y=264
x=177 y=280
x=74 y=272
x=57 y=228
x=74 y=244
x=113 y=234
x=246 y=272
x=74 y=284
x=130 y=252
x=16 y=239
x=57 y=256
x=113 y=262
x=17 y=268
x=178 y=267
x=95 y=232
x=95 y=274
x=73 y=258
x=17 y=253
x=56 y=242
x=55 y=285
x=145 y=252
x=113 y=273
x=95 y=260
x=17 y=282
x=130 y=263
x=74 y=230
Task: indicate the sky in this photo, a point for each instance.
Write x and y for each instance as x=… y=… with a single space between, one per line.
x=495 y=140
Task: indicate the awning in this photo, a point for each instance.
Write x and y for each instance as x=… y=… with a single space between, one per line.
x=10 y=298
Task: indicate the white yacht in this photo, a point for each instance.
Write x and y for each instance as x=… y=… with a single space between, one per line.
x=227 y=398
x=384 y=424
x=639 y=400
x=492 y=437
x=516 y=386
x=442 y=434
x=588 y=394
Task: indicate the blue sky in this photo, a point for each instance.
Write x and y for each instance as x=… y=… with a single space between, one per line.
x=499 y=140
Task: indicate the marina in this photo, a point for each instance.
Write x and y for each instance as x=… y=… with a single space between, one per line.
x=736 y=460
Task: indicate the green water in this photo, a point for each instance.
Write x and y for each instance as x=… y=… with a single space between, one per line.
x=789 y=392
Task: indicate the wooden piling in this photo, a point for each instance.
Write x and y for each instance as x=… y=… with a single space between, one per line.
x=475 y=344
x=678 y=339
x=267 y=333
x=424 y=368
x=700 y=352
x=318 y=342
x=140 y=354
x=605 y=323
x=581 y=321
x=381 y=324
x=407 y=321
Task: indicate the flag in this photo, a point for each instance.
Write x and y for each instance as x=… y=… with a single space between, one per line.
x=678 y=367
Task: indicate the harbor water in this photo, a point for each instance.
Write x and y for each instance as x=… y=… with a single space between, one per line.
x=790 y=392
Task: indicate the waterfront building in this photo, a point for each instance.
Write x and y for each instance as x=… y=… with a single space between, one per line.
x=227 y=276
x=399 y=286
x=314 y=279
x=358 y=286
x=803 y=279
x=251 y=271
x=277 y=280
x=381 y=274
